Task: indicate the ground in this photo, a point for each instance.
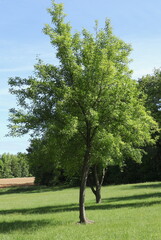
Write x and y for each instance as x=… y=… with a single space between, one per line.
x=7 y=182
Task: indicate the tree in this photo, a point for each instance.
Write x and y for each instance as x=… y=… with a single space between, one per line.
x=88 y=105
x=14 y=165
x=95 y=180
x=23 y=165
x=42 y=162
x=151 y=86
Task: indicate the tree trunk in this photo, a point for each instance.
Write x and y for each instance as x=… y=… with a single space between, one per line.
x=98 y=194
x=85 y=170
x=98 y=185
x=82 y=215
x=97 y=182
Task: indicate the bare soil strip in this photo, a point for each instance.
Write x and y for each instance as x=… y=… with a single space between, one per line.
x=11 y=182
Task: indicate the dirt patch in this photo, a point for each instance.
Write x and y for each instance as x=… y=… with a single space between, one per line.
x=11 y=182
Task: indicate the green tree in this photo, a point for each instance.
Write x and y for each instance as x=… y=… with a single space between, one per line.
x=43 y=164
x=87 y=105
x=1 y=168
x=95 y=180
x=6 y=171
x=14 y=165
x=23 y=165
x=150 y=85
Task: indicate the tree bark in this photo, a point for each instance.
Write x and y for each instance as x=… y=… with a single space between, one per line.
x=98 y=195
x=97 y=182
x=98 y=186
x=85 y=170
x=82 y=215
x=96 y=192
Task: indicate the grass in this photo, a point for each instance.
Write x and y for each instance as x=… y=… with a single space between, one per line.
x=127 y=212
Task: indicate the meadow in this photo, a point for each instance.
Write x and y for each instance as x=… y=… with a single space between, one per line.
x=127 y=212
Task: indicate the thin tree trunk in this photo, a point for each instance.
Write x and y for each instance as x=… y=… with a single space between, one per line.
x=98 y=185
x=82 y=215
x=97 y=182
x=98 y=195
x=85 y=170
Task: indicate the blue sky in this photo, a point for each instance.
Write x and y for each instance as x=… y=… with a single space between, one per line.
x=21 y=41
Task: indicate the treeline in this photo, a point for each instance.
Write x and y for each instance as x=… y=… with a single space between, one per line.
x=40 y=164
x=46 y=172
x=147 y=171
x=14 y=165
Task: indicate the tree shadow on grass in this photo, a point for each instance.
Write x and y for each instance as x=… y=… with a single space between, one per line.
x=122 y=205
x=42 y=210
x=133 y=197
x=33 y=225
x=31 y=189
x=146 y=185
x=107 y=204
x=24 y=226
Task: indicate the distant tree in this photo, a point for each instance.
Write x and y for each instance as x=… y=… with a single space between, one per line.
x=1 y=167
x=88 y=104
x=12 y=165
x=150 y=84
x=15 y=166
x=95 y=180
x=43 y=165
x=23 y=165
x=6 y=165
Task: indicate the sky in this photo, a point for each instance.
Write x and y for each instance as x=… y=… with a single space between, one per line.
x=22 y=42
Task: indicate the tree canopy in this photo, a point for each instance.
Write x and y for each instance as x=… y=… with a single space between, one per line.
x=150 y=84
x=87 y=105
x=14 y=165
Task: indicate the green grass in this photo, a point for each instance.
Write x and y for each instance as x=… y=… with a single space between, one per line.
x=127 y=212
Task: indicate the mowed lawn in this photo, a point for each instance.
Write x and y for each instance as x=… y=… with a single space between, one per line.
x=130 y=212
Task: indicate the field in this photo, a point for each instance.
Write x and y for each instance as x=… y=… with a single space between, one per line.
x=127 y=212
x=8 y=182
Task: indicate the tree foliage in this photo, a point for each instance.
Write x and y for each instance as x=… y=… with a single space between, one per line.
x=151 y=86
x=14 y=165
x=88 y=105
x=43 y=164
